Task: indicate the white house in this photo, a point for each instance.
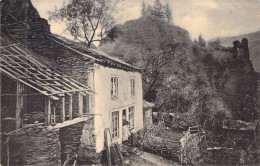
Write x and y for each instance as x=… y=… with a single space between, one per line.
x=117 y=86
x=94 y=84
x=118 y=96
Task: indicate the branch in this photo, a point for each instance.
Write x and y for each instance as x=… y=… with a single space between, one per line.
x=153 y=83
x=91 y=23
x=84 y=29
x=94 y=32
x=101 y=34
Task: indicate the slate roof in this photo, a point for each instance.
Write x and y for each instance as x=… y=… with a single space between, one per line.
x=93 y=54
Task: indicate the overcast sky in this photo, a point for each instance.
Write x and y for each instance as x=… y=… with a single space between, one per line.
x=211 y=18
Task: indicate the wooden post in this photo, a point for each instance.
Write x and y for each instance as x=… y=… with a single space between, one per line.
x=62 y=107
x=87 y=104
x=19 y=104
x=108 y=142
x=8 y=152
x=70 y=107
x=47 y=110
x=132 y=139
x=80 y=104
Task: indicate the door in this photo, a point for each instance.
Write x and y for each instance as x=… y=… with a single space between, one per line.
x=124 y=120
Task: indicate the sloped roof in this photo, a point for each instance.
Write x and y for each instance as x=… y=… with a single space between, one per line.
x=147 y=104
x=22 y=65
x=94 y=54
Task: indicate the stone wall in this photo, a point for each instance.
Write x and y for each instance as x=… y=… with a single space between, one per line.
x=70 y=139
x=87 y=150
x=223 y=156
x=79 y=140
x=36 y=145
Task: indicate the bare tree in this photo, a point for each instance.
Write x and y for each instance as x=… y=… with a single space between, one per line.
x=87 y=20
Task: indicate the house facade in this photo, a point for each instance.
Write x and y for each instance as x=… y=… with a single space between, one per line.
x=116 y=84
x=118 y=98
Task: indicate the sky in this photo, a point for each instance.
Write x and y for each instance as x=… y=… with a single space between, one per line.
x=210 y=18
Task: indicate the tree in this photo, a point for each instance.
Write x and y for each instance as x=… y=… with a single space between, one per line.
x=202 y=42
x=87 y=20
x=143 y=9
x=158 y=10
x=168 y=13
x=158 y=66
x=215 y=44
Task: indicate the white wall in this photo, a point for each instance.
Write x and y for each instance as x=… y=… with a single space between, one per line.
x=105 y=105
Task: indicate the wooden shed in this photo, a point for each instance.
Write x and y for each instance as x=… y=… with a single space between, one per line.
x=32 y=92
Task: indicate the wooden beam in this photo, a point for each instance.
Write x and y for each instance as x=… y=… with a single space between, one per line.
x=75 y=90
x=11 y=75
x=47 y=110
x=19 y=104
x=87 y=104
x=80 y=104
x=62 y=108
x=70 y=107
x=70 y=122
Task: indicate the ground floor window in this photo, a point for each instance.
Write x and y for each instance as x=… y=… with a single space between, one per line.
x=115 y=124
x=131 y=117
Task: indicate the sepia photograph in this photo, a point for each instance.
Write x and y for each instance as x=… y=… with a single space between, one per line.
x=130 y=82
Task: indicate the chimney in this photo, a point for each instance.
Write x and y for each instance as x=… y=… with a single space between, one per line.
x=21 y=21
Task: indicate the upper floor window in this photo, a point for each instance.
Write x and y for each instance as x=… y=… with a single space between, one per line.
x=132 y=84
x=114 y=87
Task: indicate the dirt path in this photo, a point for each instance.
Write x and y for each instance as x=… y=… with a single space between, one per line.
x=150 y=159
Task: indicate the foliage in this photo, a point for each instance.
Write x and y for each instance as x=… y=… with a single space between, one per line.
x=163 y=12
x=86 y=19
x=215 y=43
x=201 y=41
x=193 y=81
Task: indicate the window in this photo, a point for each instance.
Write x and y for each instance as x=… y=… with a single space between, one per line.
x=132 y=84
x=115 y=124
x=114 y=87
x=131 y=117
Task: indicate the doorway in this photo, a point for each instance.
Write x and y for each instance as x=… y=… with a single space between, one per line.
x=124 y=118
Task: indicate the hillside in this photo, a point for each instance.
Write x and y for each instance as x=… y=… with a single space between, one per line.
x=134 y=38
x=196 y=82
x=254 y=46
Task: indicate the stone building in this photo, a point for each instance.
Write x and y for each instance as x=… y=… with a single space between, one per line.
x=36 y=105
x=112 y=88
